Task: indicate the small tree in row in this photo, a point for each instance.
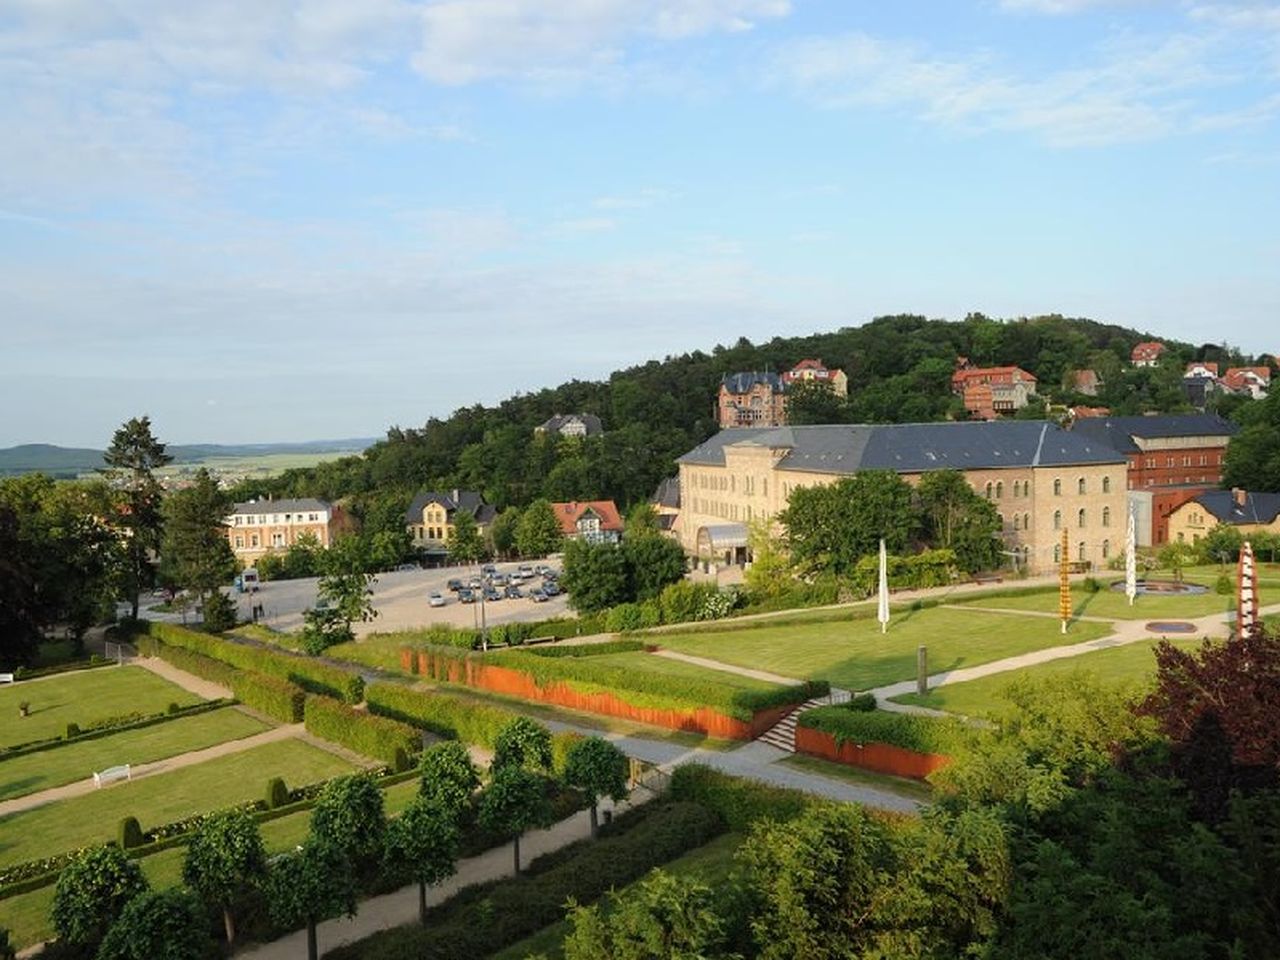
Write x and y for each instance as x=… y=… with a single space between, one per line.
x=225 y=859
x=599 y=769
x=422 y=846
x=309 y=886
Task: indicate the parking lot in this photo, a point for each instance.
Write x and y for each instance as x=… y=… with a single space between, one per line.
x=400 y=597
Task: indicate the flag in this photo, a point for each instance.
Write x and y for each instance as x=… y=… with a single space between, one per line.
x=883 y=613
x=1247 y=623
x=1131 y=560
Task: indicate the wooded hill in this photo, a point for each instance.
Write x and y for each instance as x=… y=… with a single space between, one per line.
x=899 y=370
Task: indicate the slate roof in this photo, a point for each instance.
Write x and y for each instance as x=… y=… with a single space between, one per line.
x=743 y=381
x=589 y=420
x=667 y=494
x=1119 y=432
x=302 y=505
x=468 y=501
x=913 y=447
x=1258 y=507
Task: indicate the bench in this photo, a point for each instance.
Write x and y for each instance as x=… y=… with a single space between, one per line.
x=111 y=775
x=7 y=678
x=989 y=579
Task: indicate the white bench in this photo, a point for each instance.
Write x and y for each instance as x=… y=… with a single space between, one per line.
x=7 y=678
x=112 y=774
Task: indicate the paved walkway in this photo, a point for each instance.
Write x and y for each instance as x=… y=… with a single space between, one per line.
x=187 y=681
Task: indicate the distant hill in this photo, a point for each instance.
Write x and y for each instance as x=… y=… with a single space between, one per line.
x=70 y=461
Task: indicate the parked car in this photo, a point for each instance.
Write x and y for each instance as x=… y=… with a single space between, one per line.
x=491 y=594
x=454 y=584
x=525 y=570
x=466 y=595
x=512 y=592
x=537 y=596
x=551 y=588
x=436 y=600
x=489 y=568
x=541 y=569
x=475 y=583
x=406 y=567
x=499 y=579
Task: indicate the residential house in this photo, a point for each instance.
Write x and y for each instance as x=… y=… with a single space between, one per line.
x=431 y=517
x=1147 y=353
x=571 y=425
x=1249 y=512
x=813 y=371
x=1079 y=412
x=1252 y=381
x=751 y=399
x=666 y=504
x=1041 y=479
x=257 y=527
x=989 y=392
x=596 y=521
x=1200 y=382
x=1085 y=382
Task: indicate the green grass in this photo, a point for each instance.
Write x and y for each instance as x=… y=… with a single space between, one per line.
x=27 y=915
x=381 y=651
x=77 y=761
x=1113 y=605
x=664 y=666
x=1132 y=665
x=710 y=863
x=94 y=817
x=83 y=697
x=853 y=653
x=911 y=789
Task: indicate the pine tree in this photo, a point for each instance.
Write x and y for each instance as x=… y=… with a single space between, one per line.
x=132 y=459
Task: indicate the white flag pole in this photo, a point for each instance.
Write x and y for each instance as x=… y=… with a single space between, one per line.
x=1131 y=560
x=883 y=613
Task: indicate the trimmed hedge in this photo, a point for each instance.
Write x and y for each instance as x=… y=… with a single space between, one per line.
x=740 y=802
x=104 y=728
x=453 y=717
x=590 y=649
x=387 y=740
x=312 y=675
x=276 y=698
x=484 y=919
x=906 y=730
x=206 y=668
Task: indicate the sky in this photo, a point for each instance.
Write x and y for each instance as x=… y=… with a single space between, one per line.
x=275 y=220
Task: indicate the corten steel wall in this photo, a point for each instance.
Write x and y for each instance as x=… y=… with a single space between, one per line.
x=880 y=757
x=513 y=683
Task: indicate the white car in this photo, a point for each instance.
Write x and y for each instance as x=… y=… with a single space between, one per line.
x=436 y=600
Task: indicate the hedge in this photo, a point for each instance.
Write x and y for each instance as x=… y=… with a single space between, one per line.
x=276 y=698
x=92 y=662
x=110 y=726
x=206 y=668
x=590 y=649
x=387 y=740
x=906 y=730
x=314 y=676
x=484 y=919
x=456 y=718
x=738 y=801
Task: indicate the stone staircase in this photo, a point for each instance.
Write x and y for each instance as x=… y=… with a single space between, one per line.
x=783 y=734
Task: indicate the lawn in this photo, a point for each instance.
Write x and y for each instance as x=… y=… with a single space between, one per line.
x=379 y=650
x=76 y=761
x=83 y=697
x=27 y=915
x=1114 y=605
x=95 y=817
x=1132 y=665
x=853 y=654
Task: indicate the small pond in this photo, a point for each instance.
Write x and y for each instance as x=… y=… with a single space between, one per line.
x=1165 y=627
x=1163 y=588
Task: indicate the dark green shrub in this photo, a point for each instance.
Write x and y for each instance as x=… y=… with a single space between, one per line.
x=387 y=740
x=457 y=718
x=1224 y=585
x=172 y=708
x=1091 y=585
x=91 y=893
x=129 y=833
x=72 y=730
x=277 y=793
x=159 y=925
x=206 y=668
x=863 y=702
x=277 y=698
x=589 y=649
x=909 y=731
x=738 y=801
x=622 y=618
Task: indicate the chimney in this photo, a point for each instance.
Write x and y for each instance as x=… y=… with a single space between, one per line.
x=1239 y=496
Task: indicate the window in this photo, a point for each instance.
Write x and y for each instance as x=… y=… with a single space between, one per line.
x=1057 y=488
x=1106 y=484
x=988 y=489
x=764 y=486
x=1106 y=516
x=239 y=543
x=253 y=540
x=1080 y=518
x=1106 y=549
x=1057 y=519
x=1057 y=553
x=1080 y=486
x=1080 y=550
x=1026 y=521
x=1186 y=461
x=1181 y=536
x=999 y=489
x=1017 y=522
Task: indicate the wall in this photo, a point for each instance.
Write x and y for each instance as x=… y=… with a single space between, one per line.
x=880 y=757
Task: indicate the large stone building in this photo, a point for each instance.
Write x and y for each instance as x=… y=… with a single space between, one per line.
x=1040 y=478
x=751 y=399
x=258 y=527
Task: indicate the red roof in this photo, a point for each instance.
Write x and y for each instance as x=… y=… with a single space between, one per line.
x=1210 y=367
x=1237 y=377
x=819 y=369
x=570 y=513
x=1005 y=376
x=1082 y=412
x=1147 y=350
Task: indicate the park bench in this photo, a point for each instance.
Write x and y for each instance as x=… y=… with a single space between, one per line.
x=7 y=678
x=112 y=774
x=988 y=579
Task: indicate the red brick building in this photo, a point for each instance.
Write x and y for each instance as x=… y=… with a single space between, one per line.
x=989 y=392
x=751 y=399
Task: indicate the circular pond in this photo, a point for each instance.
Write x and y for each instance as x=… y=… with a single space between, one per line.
x=1170 y=626
x=1164 y=588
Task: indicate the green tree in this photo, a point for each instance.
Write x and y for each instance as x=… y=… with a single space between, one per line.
x=663 y=917
x=20 y=620
x=195 y=551
x=349 y=815
x=502 y=532
x=1176 y=556
x=515 y=801
x=538 y=532
x=523 y=743
x=449 y=778
x=422 y=846
x=642 y=520
x=769 y=576
x=159 y=925
x=132 y=459
x=466 y=545
x=653 y=561
x=812 y=401
x=225 y=860
x=1222 y=544
x=304 y=558
x=599 y=769
x=956 y=518
x=1252 y=460
x=311 y=885
x=830 y=528
x=347 y=590
x=91 y=893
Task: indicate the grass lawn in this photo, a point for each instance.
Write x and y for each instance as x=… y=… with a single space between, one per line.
x=27 y=915
x=83 y=697
x=710 y=863
x=380 y=650
x=1115 y=605
x=94 y=817
x=77 y=761
x=853 y=653
x=1130 y=665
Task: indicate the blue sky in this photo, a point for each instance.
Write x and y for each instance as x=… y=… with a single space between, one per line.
x=268 y=220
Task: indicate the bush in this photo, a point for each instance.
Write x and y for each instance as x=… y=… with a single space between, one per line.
x=159 y=925
x=1091 y=585
x=738 y=801
x=863 y=702
x=206 y=668
x=277 y=793
x=683 y=601
x=172 y=709
x=91 y=893
x=277 y=698
x=453 y=717
x=622 y=618
x=906 y=730
x=1224 y=585
x=71 y=731
x=486 y=918
x=590 y=649
x=129 y=834
x=390 y=741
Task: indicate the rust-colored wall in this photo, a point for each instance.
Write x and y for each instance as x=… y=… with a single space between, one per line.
x=880 y=757
x=513 y=683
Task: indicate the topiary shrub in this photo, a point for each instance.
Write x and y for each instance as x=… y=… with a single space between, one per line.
x=172 y=708
x=1224 y=585
x=863 y=702
x=277 y=793
x=73 y=730
x=129 y=834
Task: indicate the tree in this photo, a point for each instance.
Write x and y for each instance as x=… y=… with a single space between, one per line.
x=523 y=743
x=599 y=769
x=225 y=859
x=349 y=816
x=830 y=528
x=91 y=893
x=538 y=532
x=132 y=459
x=195 y=551
x=596 y=575
x=449 y=778
x=769 y=575
x=20 y=621
x=466 y=545
x=159 y=925
x=663 y=917
x=502 y=532
x=642 y=520
x=422 y=845
x=1175 y=556
x=1222 y=544
x=347 y=590
x=1252 y=460
x=309 y=886
x=813 y=401
x=514 y=801
x=654 y=562
x=956 y=518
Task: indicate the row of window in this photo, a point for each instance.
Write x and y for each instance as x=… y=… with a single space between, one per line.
x=1081 y=551
x=433 y=533
x=725 y=511
x=729 y=482
x=262 y=519
x=1022 y=488
x=1203 y=460
x=277 y=540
